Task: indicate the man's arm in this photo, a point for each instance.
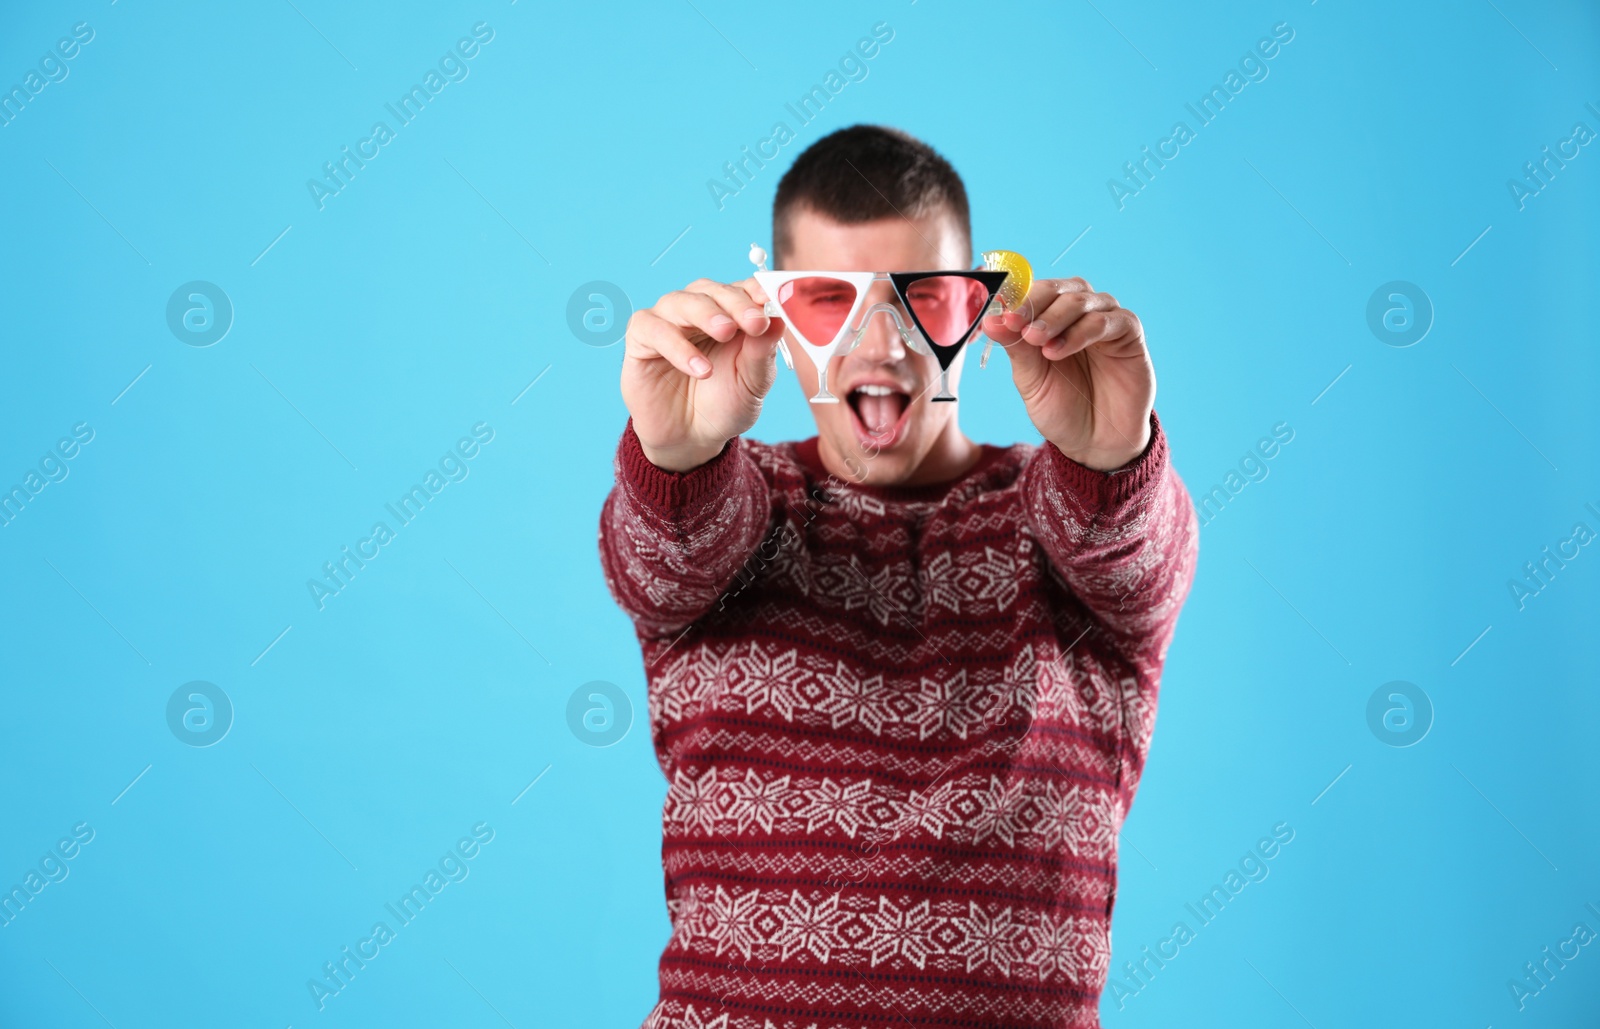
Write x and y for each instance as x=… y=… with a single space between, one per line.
x=671 y=542
x=1125 y=541
x=1101 y=495
x=689 y=505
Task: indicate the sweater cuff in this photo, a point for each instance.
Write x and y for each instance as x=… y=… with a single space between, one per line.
x=1097 y=490
x=668 y=493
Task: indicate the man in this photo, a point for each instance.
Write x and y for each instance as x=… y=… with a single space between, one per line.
x=902 y=684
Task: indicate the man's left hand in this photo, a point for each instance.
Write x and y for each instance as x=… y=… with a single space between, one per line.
x=1081 y=364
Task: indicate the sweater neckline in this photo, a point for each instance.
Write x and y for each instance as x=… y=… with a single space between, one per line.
x=807 y=453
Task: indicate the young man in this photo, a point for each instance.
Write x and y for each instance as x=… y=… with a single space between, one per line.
x=901 y=683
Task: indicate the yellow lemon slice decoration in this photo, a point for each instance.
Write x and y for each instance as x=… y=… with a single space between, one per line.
x=1018 y=280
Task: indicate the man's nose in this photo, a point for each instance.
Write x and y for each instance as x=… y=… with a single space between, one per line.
x=880 y=341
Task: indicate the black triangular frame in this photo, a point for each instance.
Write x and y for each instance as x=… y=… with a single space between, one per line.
x=903 y=280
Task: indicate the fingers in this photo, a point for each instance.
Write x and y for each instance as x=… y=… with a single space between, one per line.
x=671 y=329
x=753 y=289
x=1095 y=327
x=692 y=309
x=1041 y=295
x=756 y=363
x=1008 y=328
x=1029 y=366
x=994 y=326
x=651 y=336
x=747 y=297
x=1073 y=320
x=735 y=303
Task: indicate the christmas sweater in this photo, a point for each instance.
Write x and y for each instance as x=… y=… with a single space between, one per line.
x=901 y=727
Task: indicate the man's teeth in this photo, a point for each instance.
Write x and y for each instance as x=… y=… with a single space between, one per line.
x=876 y=391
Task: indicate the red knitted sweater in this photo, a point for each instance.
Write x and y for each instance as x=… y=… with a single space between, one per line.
x=901 y=727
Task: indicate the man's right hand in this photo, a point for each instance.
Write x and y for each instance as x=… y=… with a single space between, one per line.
x=696 y=368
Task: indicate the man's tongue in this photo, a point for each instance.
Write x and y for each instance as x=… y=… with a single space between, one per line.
x=879 y=414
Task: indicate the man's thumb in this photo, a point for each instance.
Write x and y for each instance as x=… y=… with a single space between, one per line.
x=1028 y=365
x=756 y=362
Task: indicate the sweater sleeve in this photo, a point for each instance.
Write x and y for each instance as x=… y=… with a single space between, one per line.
x=672 y=542
x=1125 y=542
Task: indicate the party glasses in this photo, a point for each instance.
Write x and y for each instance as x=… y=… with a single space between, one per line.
x=823 y=309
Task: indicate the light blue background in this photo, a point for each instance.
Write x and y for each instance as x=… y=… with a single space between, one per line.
x=429 y=694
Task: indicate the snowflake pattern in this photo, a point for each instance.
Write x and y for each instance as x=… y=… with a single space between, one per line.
x=809 y=927
x=764 y=678
x=863 y=700
x=844 y=585
x=1001 y=808
x=890 y=594
x=987 y=938
x=942 y=585
x=1053 y=950
x=992 y=578
x=974 y=810
x=946 y=706
x=733 y=919
x=893 y=592
x=928 y=810
x=1076 y=818
x=1099 y=700
x=693 y=1019
x=1091 y=952
x=692 y=801
x=1141 y=711
x=690 y=681
x=753 y=801
x=904 y=933
x=1013 y=942
x=832 y=803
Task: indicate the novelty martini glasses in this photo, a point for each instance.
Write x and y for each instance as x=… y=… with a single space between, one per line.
x=822 y=309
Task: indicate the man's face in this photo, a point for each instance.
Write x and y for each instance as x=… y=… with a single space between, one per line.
x=885 y=423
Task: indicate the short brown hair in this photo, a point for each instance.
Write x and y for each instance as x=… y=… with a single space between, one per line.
x=866 y=172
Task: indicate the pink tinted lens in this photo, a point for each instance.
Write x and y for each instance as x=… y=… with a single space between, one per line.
x=816 y=307
x=946 y=306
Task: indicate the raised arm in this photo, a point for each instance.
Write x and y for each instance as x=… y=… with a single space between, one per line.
x=1125 y=541
x=1101 y=495
x=671 y=542
x=689 y=505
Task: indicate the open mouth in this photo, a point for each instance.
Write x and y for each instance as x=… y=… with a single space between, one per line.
x=879 y=413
